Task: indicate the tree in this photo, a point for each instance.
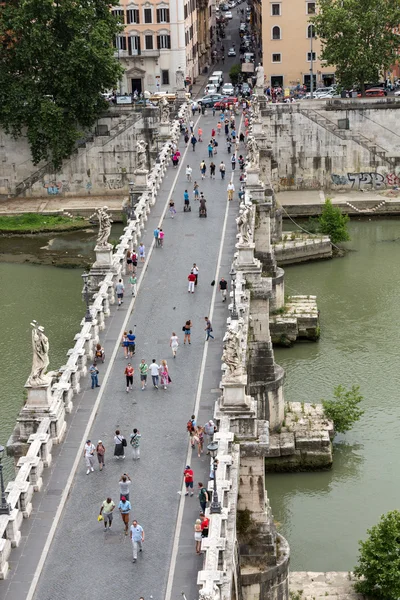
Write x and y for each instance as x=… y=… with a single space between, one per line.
x=56 y=59
x=235 y=73
x=359 y=38
x=378 y=568
x=343 y=410
x=333 y=223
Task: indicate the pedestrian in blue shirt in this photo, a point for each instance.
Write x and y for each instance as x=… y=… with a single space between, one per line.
x=124 y=508
x=94 y=374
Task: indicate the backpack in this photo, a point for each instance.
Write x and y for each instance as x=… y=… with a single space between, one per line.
x=189 y=426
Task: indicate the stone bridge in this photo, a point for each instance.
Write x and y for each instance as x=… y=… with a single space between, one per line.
x=51 y=545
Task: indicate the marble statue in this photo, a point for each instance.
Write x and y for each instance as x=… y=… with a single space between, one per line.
x=255 y=109
x=180 y=84
x=141 y=155
x=105 y=223
x=243 y=225
x=208 y=594
x=260 y=76
x=253 y=154
x=40 y=361
x=231 y=355
x=164 y=110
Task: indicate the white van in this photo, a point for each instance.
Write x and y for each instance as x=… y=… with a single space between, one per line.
x=220 y=76
x=213 y=80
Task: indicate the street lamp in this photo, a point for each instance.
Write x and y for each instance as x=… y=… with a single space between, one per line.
x=215 y=507
x=88 y=316
x=234 y=313
x=5 y=507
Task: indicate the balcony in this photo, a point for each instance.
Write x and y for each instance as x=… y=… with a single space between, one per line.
x=121 y=53
x=155 y=53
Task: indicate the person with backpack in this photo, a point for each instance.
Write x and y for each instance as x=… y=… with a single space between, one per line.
x=120 y=444
x=210 y=149
x=189 y=476
x=222 y=169
x=135 y=443
x=191 y=428
x=212 y=170
x=233 y=161
x=193 y=141
x=203 y=497
x=203 y=168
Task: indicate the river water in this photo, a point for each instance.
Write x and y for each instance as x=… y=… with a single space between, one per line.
x=323 y=515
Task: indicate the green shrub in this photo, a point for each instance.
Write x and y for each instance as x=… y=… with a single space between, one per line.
x=343 y=410
x=333 y=223
x=235 y=73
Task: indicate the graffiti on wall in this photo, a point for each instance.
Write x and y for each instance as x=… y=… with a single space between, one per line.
x=299 y=182
x=114 y=184
x=54 y=188
x=371 y=180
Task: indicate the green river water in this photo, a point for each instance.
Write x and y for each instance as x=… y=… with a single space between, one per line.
x=322 y=515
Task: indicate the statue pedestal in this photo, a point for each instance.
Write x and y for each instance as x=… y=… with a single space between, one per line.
x=259 y=92
x=253 y=176
x=164 y=129
x=234 y=397
x=256 y=127
x=245 y=254
x=181 y=96
x=39 y=395
x=140 y=179
x=103 y=256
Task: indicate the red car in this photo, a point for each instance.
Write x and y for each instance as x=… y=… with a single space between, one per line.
x=374 y=93
x=225 y=102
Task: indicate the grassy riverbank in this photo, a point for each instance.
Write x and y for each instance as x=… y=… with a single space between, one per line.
x=37 y=223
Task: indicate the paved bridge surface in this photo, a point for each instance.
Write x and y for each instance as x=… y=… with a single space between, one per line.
x=64 y=552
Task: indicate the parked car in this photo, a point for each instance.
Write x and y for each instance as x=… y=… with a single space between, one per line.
x=228 y=14
x=225 y=102
x=224 y=7
x=211 y=89
x=246 y=90
x=227 y=89
x=210 y=100
x=376 y=92
x=397 y=93
x=231 y=52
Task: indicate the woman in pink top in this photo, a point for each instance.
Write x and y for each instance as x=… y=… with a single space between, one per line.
x=161 y=237
x=164 y=374
x=199 y=134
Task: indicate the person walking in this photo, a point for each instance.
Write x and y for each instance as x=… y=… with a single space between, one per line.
x=200 y=134
x=230 y=190
x=120 y=443
x=210 y=149
x=133 y=284
x=222 y=169
x=204 y=525
x=212 y=170
x=129 y=371
x=196 y=190
x=193 y=141
x=200 y=440
x=124 y=483
x=137 y=537
x=154 y=372
x=165 y=378
x=143 y=368
x=188 y=476
x=191 y=280
x=120 y=288
x=228 y=145
x=223 y=288
x=191 y=125
x=209 y=430
x=142 y=252
x=208 y=329
x=189 y=173
x=106 y=511
x=203 y=497
x=174 y=343
x=197 y=535
x=191 y=429
x=88 y=453
x=130 y=338
x=162 y=234
x=203 y=168
x=233 y=161
x=156 y=233
x=100 y=451
x=129 y=261
x=94 y=374
x=172 y=210
x=219 y=127
x=125 y=343
x=124 y=507
x=187 y=328
x=195 y=270
x=213 y=132
x=135 y=443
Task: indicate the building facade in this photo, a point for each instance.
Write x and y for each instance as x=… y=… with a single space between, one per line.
x=160 y=37
x=290 y=48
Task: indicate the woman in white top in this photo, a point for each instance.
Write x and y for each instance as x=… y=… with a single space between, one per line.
x=197 y=535
x=174 y=343
x=119 y=450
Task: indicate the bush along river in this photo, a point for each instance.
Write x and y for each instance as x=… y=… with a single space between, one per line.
x=324 y=514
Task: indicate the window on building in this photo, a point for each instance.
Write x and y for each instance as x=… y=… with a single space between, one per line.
x=276 y=58
x=185 y=11
x=162 y=15
x=164 y=77
x=311 y=31
x=132 y=16
x=276 y=10
x=314 y=56
x=276 y=33
x=134 y=45
x=195 y=49
x=147 y=15
x=191 y=32
x=119 y=13
x=163 y=42
x=148 y=42
x=120 y=42
x=311 y=8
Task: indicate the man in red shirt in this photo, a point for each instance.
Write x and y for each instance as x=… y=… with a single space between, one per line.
x=204 y=525
x=189 y=476
x=191 y=279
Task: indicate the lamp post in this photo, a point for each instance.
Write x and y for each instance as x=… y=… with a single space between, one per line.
x=311 y=62
x=215 y=507
x=5 y=507
x=234 y=313
x=88 y=316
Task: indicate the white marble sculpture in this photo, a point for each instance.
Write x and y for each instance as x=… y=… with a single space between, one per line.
x=253 y=153
x=180 y=83
x=255 y=109
x=141 y=155
x=105 y=223
x=40 y=361
x=260 y=76
x=164 y=110
x=243 y=226
x=231 y=355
